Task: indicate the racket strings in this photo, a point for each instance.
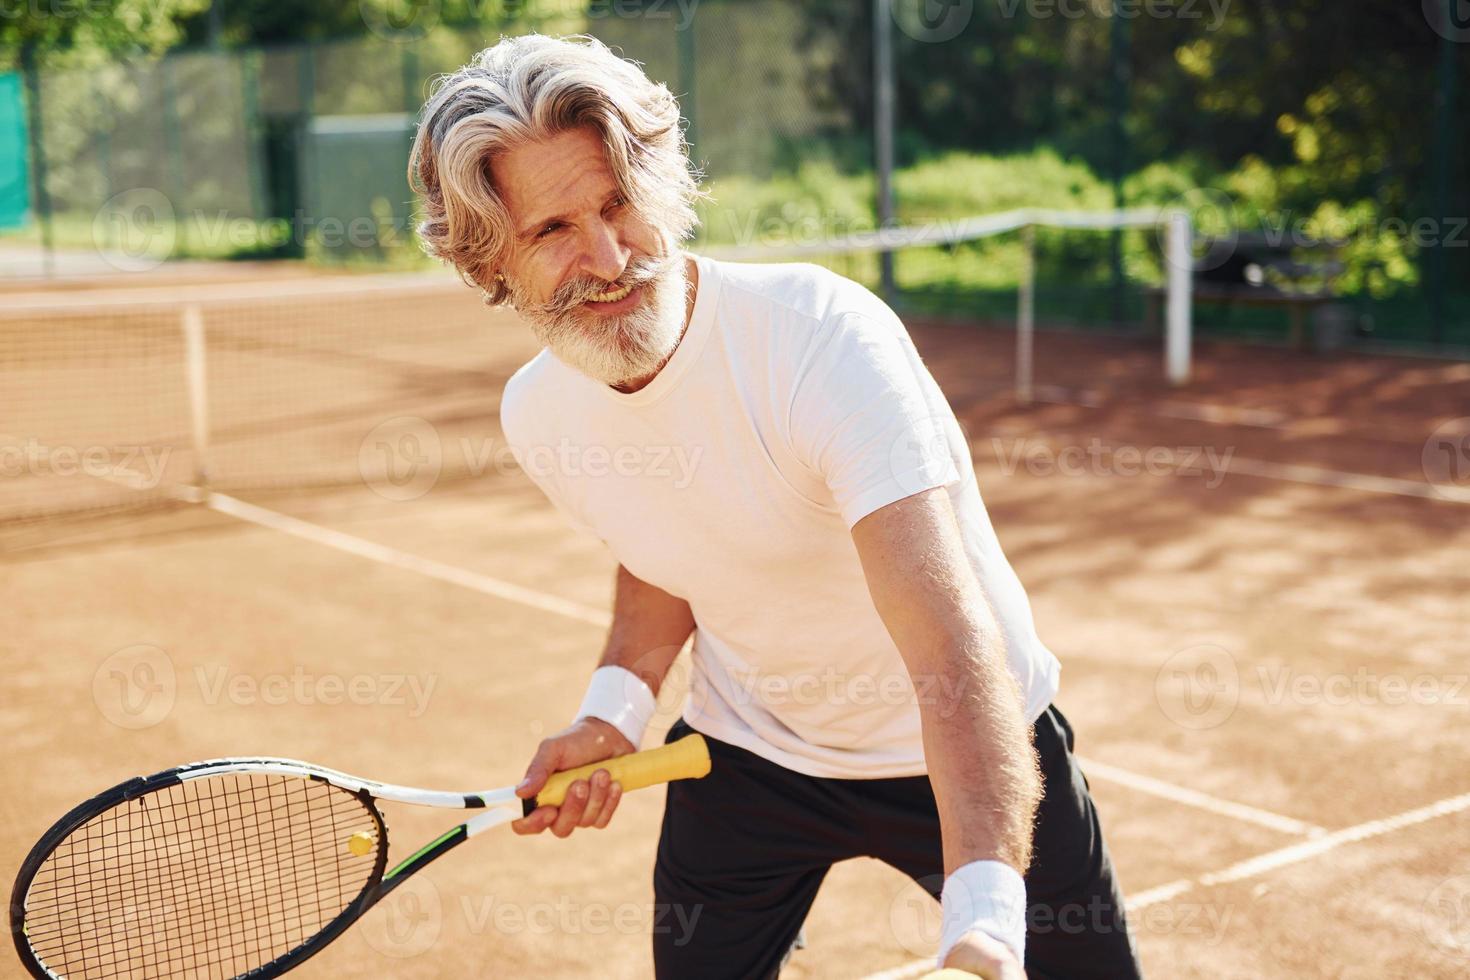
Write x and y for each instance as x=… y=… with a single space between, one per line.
x=212 y=877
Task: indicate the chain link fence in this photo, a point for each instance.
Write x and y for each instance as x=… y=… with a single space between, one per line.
x=300 y=150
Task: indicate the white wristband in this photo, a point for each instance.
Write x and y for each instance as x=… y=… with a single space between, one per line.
x=988 y=897
x=619 y=697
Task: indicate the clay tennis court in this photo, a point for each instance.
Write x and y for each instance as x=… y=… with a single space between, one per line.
x=1256 y=584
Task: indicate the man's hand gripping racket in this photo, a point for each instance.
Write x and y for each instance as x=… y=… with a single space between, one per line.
x=246 y=866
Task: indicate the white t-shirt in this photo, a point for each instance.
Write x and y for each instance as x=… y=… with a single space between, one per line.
x=794 y=406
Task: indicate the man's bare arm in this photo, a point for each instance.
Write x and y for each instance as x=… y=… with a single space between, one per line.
x=649 y=628
x=977 y=744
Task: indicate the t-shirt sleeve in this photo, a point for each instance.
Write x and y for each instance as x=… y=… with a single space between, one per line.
x=537 y=459
x=868 y=418
x=536 y=463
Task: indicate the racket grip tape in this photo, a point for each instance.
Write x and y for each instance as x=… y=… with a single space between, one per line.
x=687 y=758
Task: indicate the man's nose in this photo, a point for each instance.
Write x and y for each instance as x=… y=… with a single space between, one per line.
x=604 y=255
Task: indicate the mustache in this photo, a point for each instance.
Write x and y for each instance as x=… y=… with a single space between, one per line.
x=571 y=294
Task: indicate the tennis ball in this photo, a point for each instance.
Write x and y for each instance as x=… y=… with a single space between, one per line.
x=360 y=843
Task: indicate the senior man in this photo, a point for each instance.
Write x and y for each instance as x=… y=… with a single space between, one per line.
x=864 y=665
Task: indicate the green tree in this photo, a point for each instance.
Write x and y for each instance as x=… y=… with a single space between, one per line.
x=45 y=25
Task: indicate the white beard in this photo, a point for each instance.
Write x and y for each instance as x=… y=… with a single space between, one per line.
x=614 y=348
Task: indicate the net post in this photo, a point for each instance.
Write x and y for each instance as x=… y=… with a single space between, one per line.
x=1179 y=263
x=1026 y=316
x=35 y=112
x=194 y=366
x=883 y=150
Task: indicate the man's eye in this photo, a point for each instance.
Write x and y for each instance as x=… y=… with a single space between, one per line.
x=555 y=226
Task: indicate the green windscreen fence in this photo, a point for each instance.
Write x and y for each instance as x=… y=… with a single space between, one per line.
x=14 y=190
x=355 y=181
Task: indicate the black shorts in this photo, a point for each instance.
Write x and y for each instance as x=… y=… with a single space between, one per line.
x=744 y=850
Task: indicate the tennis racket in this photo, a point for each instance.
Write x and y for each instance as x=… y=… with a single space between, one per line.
x=241 y=867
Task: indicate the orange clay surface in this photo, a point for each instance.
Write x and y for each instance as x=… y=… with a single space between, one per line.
x=1271 y=634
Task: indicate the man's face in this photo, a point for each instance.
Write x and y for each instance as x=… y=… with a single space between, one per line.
x=599 y=285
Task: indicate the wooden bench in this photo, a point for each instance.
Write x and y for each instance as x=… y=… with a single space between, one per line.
x=1258 y=272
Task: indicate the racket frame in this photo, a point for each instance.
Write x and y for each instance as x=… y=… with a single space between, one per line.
x=688 y=758
x=502 y=806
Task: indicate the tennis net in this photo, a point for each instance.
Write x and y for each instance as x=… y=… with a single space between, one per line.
x=132 y=397
x=137 y=397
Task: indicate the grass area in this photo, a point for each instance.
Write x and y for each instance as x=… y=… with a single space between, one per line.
x=818 y=202
x=209 y=237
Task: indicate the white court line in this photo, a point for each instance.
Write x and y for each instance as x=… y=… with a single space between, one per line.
x=1253 y=867
x=1201 y=801
x=1318 y=845
x=1257 y=418
x=1260 y=418
x=1323 y=477
x=549 y=603
x=402 y=559
x=1296 y=853
x=1054 y=395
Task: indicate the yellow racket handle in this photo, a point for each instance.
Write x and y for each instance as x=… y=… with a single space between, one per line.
x=687 y=758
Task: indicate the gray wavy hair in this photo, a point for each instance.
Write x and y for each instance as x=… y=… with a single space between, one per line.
x=533 y=87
